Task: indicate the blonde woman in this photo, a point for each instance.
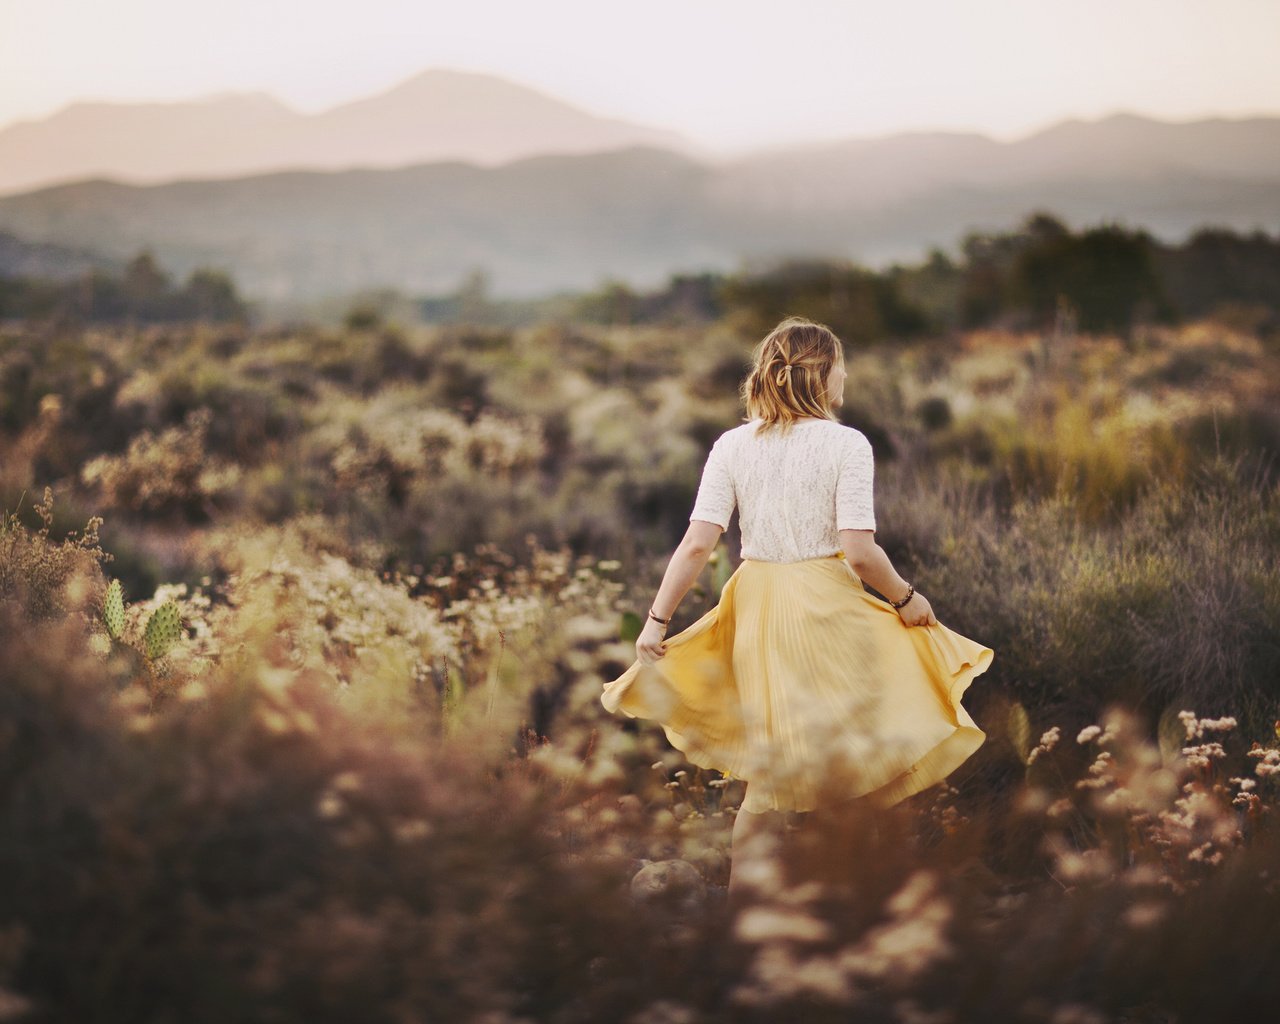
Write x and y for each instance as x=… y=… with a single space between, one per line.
x=800 y=681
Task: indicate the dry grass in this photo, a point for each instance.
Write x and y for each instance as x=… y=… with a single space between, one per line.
x=373 y=781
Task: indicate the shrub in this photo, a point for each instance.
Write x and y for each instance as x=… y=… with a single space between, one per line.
x=172 y=474
x=1177 y=602
x=48 y=580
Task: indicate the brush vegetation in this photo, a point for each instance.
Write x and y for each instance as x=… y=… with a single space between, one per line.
x=299 y=711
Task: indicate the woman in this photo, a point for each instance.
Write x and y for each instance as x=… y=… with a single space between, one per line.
x=800 y=681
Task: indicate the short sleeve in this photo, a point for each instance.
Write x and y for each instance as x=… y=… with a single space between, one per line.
x=716 y=498
x=855 y=506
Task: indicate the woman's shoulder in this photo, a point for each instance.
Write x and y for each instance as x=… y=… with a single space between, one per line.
x=736 y=433
x=842 y=434
x=832 y=432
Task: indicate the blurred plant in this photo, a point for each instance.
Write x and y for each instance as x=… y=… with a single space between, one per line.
x=721 y=569
x=382 y=744
x=172 y=473
x=1177 y=602
x=47 y=579
x=578 y=868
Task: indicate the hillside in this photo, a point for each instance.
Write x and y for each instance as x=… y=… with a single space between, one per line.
x=434 y=115
x=556 y=222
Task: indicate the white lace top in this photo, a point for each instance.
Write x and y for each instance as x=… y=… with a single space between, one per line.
x=793 y=493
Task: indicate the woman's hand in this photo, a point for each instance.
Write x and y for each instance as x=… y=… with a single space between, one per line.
x=917 y=611
x=649 y=644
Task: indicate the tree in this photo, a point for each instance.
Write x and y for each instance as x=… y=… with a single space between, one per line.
x=146 y=287
x=860 y=305
x=1107 y=274
x=211 y=295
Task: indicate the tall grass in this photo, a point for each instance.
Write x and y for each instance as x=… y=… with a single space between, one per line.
x=1178 y=602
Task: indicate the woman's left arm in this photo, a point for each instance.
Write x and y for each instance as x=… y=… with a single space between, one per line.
x=689 y=559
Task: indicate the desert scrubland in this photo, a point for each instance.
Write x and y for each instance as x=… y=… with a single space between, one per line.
x=367 y=776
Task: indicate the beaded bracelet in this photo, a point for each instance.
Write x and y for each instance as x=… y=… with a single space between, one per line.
x=911 y=589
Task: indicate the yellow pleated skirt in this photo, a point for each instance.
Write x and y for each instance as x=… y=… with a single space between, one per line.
x=811 y=689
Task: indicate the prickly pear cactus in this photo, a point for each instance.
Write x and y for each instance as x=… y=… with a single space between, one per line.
x=113 y=610
x=163 y=628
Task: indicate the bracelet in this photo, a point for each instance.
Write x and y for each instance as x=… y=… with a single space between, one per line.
x=665 y=622
x=911 y=589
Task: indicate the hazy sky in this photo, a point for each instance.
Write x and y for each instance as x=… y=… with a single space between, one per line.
x=729 y=73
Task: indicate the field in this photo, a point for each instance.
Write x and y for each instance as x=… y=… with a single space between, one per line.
x=368 y=777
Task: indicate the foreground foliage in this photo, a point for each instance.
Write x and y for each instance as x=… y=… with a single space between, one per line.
x=358 y=768
x=333 y=804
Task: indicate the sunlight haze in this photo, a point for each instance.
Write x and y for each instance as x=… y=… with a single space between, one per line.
x=726 y=74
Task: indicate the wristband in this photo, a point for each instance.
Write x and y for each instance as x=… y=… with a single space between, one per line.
x=911 y=589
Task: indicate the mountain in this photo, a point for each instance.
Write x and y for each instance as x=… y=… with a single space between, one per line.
x=436 y=115
x=537 y=224
x=19 y=258
x=546 y=223
x=865 y=173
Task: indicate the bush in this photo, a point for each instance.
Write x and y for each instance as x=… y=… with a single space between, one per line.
x=172 y=474
x=254 y=849
x=48 y=580
x=1177 y=602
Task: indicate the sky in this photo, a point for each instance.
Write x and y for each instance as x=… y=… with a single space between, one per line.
x=729 y=74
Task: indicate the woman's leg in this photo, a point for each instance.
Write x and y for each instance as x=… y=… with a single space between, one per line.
x=752 y=842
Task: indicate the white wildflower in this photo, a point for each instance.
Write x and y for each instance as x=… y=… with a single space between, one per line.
x=773 y=924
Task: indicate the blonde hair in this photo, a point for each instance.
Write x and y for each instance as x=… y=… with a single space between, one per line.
x=788 y=377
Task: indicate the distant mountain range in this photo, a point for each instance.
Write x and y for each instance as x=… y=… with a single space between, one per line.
x=435 y=115
x=569 y=220
x=20 y=258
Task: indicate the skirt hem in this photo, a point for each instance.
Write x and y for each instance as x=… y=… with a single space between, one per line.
x=694 y=692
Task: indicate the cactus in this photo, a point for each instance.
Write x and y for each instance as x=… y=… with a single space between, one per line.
x=163 y=628
x=113 y=610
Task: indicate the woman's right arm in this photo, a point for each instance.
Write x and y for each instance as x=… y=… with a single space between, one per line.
x=869 y=561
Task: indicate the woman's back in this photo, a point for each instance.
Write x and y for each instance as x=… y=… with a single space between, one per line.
x=794 y=492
